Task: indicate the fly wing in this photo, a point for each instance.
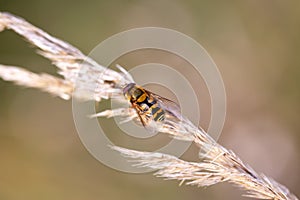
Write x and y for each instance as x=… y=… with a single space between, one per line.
x=169 y=106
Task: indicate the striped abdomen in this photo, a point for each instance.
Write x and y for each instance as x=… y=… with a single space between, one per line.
x=146 y=105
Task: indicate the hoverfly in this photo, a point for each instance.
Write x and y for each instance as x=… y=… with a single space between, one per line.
x=151 y=108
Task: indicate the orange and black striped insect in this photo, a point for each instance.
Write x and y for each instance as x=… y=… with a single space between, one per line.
x=151 y=108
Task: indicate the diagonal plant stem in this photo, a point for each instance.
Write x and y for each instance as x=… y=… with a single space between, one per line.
x=81 y=73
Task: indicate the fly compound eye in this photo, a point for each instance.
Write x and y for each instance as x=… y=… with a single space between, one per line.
x=128 y=87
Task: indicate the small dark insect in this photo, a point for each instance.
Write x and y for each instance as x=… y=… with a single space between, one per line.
x=151 y=108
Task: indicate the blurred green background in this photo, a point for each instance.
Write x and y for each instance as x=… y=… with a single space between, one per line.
x=255 y=44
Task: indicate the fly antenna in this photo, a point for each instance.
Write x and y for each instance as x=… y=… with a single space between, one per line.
x=125 y=72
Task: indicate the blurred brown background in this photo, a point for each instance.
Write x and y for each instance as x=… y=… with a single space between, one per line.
x=255 y=44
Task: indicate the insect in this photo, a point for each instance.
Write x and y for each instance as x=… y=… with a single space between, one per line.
x=151 y=108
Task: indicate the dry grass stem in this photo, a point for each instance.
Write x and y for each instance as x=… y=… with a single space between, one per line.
x=53 y=85
x=77 y=69
x=87 y=80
